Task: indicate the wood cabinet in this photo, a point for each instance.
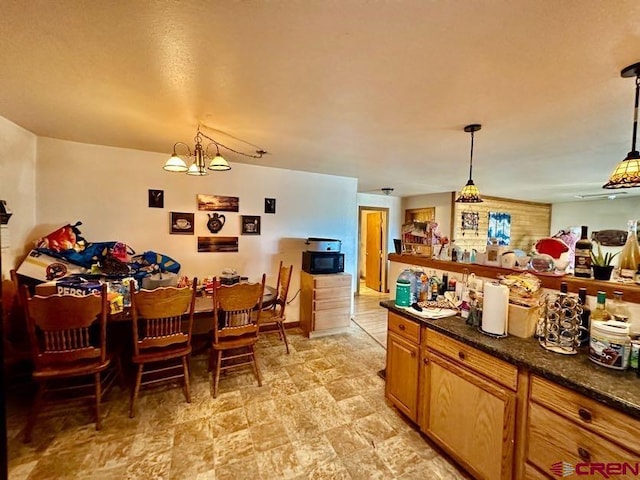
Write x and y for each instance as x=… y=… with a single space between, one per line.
x=470 y=415
x=325 y=303
x=499 y=420
x=403 y=364
x=564 y=426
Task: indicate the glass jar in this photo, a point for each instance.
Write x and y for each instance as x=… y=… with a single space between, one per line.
x=630 y=254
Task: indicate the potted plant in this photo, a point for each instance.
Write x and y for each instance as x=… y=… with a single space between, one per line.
x=601 y=264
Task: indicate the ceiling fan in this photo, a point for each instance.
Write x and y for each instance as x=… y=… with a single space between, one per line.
x=610 y=196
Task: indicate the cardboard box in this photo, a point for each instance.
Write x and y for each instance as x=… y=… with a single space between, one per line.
x=523 y=320
x=41 y=266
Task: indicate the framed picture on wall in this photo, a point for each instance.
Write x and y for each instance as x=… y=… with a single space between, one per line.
x=269 y=205
x=250 y=225
x=156 y=198
x=182 y=223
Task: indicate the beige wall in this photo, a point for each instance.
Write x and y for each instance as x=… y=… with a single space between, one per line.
x=442 y=204
x=17 y=186
x=107 y=188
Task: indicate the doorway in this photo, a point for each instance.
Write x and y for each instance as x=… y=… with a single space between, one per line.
x=373 y=248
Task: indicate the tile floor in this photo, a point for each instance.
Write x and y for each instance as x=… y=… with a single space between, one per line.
x=320 y=413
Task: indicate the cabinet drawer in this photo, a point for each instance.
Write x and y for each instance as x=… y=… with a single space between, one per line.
x=587 y=413
x=404 y=327
x=333 y=303
x=328 y=281
x=339 y=317
x=553 y=439
x=532 y=473
x=489 y=366
x=334 y=292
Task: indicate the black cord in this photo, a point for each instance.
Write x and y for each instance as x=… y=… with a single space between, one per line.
x=294 y=297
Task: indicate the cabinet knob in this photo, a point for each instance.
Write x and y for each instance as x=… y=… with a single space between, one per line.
x=584 y=454
x=461 y=355
x=401 y=326
x=584 y=414
x=425 y=360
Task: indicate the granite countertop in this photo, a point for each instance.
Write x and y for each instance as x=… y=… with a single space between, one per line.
x=615 y=388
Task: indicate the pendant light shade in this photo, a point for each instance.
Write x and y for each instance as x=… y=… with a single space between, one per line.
x=470 y=193
x=627 y=172
x=200 y=155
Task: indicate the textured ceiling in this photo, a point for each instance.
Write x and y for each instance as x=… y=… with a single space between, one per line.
x=378 y=90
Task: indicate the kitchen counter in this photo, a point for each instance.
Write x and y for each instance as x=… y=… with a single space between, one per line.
x=617 y=389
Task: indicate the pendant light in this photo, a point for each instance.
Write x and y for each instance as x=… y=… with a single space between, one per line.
x=470 y=193
x=627 y=172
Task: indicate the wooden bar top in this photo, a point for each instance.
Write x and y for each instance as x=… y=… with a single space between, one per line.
x=630 y=291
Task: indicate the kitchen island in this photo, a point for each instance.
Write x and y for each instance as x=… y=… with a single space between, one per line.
x=507 y=408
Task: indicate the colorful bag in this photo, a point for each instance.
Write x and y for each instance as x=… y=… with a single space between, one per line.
x=150 y=258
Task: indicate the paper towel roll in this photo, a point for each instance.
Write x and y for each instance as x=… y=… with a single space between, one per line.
x=495 y=308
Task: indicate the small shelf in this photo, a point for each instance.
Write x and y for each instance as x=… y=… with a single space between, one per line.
x=631 y=292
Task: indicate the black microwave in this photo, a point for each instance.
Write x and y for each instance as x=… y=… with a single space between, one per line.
x=322 y=262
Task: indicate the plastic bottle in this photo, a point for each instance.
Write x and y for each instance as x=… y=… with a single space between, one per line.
x=403 y=288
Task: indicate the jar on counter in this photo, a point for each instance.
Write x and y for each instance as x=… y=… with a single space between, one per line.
x=610 y=344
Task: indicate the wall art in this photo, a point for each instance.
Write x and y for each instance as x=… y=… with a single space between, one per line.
x=250 y=225
x=182 y=223
x=499 y=228
x=156 y=198
x=217 y=203
x=216 y=222
x=269 y=205
x=470 y=222
x=217 y=244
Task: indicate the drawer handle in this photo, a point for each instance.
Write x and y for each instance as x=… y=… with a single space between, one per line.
x=584 y=414
x=401 y=327
x=584 y=454
x=462 y=355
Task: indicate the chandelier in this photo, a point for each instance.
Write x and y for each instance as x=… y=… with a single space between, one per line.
x=627 y=172
x=200 y=155
x=470 y=193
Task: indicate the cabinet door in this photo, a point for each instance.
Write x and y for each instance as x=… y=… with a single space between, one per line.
x=472 y=418
x=401 y=386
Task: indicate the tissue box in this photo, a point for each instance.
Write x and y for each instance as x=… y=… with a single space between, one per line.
x=523 y=320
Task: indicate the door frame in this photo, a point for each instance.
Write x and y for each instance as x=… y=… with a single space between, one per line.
x=384 y=267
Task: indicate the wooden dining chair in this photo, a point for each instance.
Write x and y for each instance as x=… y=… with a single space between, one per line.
x=235 y=328
x=67 y=334
x=162 y=327
x=274 y=314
